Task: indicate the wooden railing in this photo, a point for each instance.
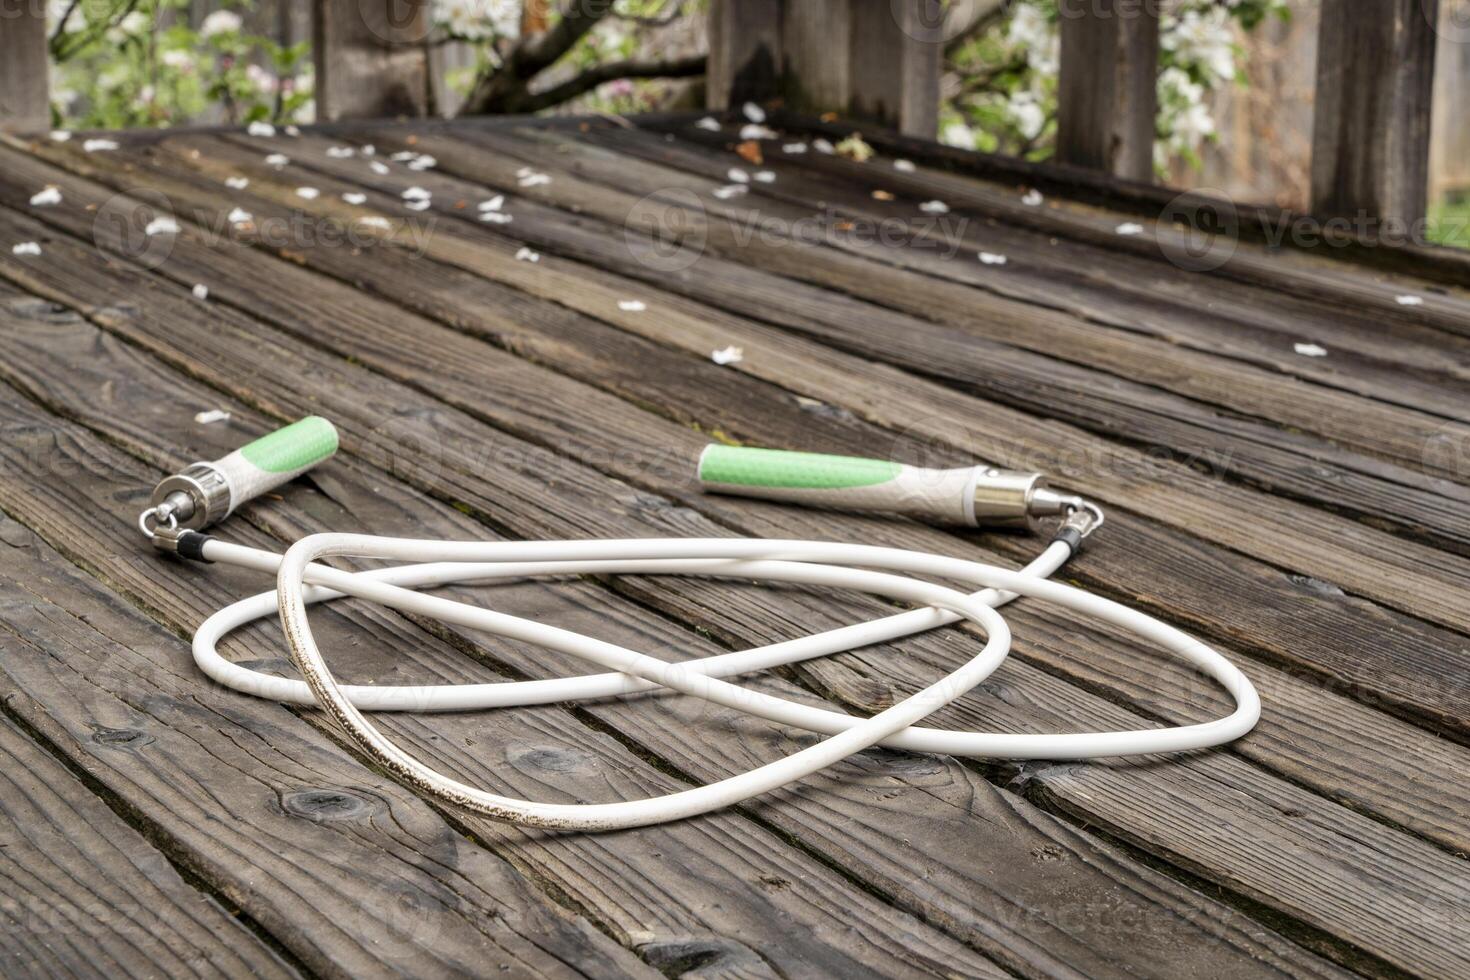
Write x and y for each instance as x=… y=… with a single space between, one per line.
x=880 y=60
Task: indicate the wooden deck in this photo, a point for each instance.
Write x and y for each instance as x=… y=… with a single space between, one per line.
x=1310 y=514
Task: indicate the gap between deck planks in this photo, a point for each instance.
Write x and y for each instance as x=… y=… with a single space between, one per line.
x=692 y=332
x=149 y=426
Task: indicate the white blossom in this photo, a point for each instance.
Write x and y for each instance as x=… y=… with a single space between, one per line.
x=45 y=198
x=220 y=22
x=25 y=248
x=1310 y=350
x=727 y=355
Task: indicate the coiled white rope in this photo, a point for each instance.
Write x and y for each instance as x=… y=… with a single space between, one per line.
x=300 y=582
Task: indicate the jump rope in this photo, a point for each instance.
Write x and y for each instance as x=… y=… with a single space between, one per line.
x=203 y=494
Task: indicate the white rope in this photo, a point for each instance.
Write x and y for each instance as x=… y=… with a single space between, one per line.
x=300 y=582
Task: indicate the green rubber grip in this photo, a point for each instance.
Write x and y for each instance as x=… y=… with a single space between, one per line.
x=294 y=447
x=738 y=466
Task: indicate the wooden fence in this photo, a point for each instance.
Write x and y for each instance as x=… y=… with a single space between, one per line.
x=881 y=60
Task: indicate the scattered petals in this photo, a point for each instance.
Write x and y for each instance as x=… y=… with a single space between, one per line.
x=497 y=217
x=25 y=248
x=98 y=145
x=934 y=207
x=375 y=221
x=277 y=160
x=992 y=258
x=1032 y=198
x=734 y=175
x=1129 y=228
x=1407 y=300
x=730 y=190
x=709 y=123
x=904 y=166
x=354 y=197
x=632 y=305
x=308 y=193
x=765 y=176
x=422 y=205
x=239 y=216
x=527 y=255
x=367 y=149
x=727 y=355
x=212 y=416
x=378 y=167
x=755 y=131
x=162 y=225
x=823 y=146
x=260 y=129
x=200 y=291
x=417 y=194
x=493 y=204
x=60 y=135
x=794 y=148
x=754 y=112
x=532 y=178
x=1310 y=350
x=292 y=131
x=238 y=183
x=51 y=195
x=340 y=152
x=423 y=162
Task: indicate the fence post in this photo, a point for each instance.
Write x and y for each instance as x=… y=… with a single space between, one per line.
x=371 y=58
x=1107 y=93
x=24 y=58
x=744 y=51
x=1375 y=93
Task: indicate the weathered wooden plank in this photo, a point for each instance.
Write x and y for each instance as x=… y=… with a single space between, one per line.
x=896 y=50
x=744 y=51
x=1244 y=871
x=1173 y=492
x=949 y=801
x=371 y=58
x=1370 y=132
x=1107 y=89
x=1405 y=677
x=82 y=893
x=25 y=104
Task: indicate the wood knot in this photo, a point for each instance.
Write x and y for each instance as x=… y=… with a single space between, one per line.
x=550 y=758
x=679 y=956
x=324 y=804
x=121 y=738
x=1315 y=585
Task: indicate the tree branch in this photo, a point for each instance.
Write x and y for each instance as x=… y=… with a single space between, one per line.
x=534 y=54
x=611 y=72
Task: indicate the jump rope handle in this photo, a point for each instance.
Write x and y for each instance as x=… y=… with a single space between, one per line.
x=970 y=495
x=202 y=494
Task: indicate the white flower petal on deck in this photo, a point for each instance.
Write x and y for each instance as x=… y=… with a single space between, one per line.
x=794 y=148
x=1129 y=228
x=162 y=225
x=493 y=204
x=60 y=135
x=402 y=156
x=534 y=179
x=238 y=183
x=211 y=416
x=418 y=205
x=934 y=207
x=737 y=176
x=200 y=291
x=709 y=123
x=378 y=167
x=992 y=258
x=766 y=176
x=260 y=129
x=340 y=152
x=367 y=149
x=754 y=112
x=45 y=198
x=1409 y=300
x=292 y=131
x=527 y=255
x=98 y=145
x=632 y=305
x=755 y=131
x=308 y=193
x=904 y=166
x=727 y=355
x=1310 y=350
x=375 y=221
x=25 y=248
x=239 y=216
x=423 y=162
x=730 y=190
x=277 y=160
x=823 y=146
x=354 y=197
x=1032 y=198
x=417 y=194
x=497 y=217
